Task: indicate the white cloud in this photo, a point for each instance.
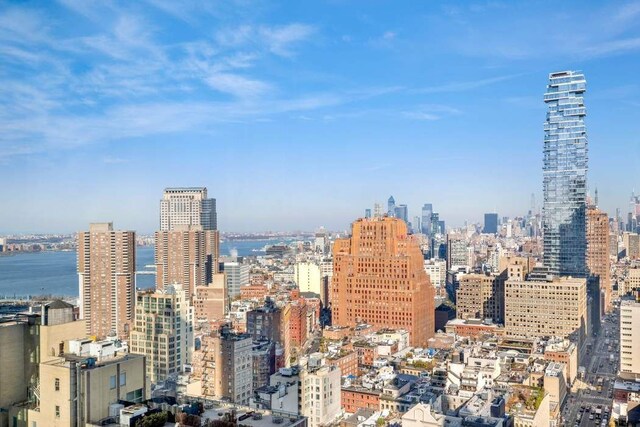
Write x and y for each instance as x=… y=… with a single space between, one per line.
x=389 y=35
x=466 y=85
x=237 y=85
x=280 y=39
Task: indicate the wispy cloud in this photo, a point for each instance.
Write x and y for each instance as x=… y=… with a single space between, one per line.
x=466 y=85
x=278 y=40
x=119 y=79
x=237 y=85
x=431 y=112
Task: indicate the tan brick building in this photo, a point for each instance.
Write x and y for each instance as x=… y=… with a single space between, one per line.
x=211 y=302
x=598 y=260
x=379 y=278
x=181 y=257
x=481 y=296
x=551 y=307
x=106 y=270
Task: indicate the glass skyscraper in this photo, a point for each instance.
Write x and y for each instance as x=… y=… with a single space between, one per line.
x=565 y=175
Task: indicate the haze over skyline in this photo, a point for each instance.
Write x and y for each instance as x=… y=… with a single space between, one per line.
x=299 y=115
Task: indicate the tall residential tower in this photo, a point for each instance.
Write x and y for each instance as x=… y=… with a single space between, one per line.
x=565 y=175
x=106 y=271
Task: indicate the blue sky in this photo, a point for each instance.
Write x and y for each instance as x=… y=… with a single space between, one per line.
x=301 y=114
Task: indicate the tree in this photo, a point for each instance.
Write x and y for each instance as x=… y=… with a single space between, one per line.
x=157 y=419
x=189 y=420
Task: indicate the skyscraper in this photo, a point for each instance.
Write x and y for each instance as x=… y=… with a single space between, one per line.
x=391 y=206
x=402 y=212
x=427 y=211
x=490 y=223
x=180 y=258
x=379 y=278
x=106 y=272
x=189 y=206
x=565 y=175
x=598 y=260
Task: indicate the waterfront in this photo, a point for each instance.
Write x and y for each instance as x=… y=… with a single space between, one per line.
x=54 y=272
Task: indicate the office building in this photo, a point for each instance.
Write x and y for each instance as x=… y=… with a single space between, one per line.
x=427 y=211
x=402 y=212
x=481 y=296
x=598 y=260
x=106 y=271
x=79 y=391
x=548 y=306
x=631 y=243
x=490 y=223
x=437 y=271
x=237 y=275
x=163 y=331
x=181 y=257
x=190 y=206
x=187 y=206
x=367 y=213
x=457 y=253
x=27 y=341
x=565 y=175
x=379 y=278
x=391 y=206
x=631 y=284
x=630 y=338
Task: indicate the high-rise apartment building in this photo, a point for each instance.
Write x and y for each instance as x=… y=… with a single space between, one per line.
x=181 y=258
x=265 y=322
x=379 y=278
x=481 y=296
x=598 y=260
x=106 y=271
x=490 y=223
x=551 y=306
x=163 y=331
x=630 y=338
x=190 y=206
x=565 y=175
x=225 y=366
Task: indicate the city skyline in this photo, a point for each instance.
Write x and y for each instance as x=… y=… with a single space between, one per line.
x=81 y=109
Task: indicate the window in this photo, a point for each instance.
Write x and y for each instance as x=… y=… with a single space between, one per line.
x=57 y=411
x=57 y=384
x=112 y=382
x=123 y=378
